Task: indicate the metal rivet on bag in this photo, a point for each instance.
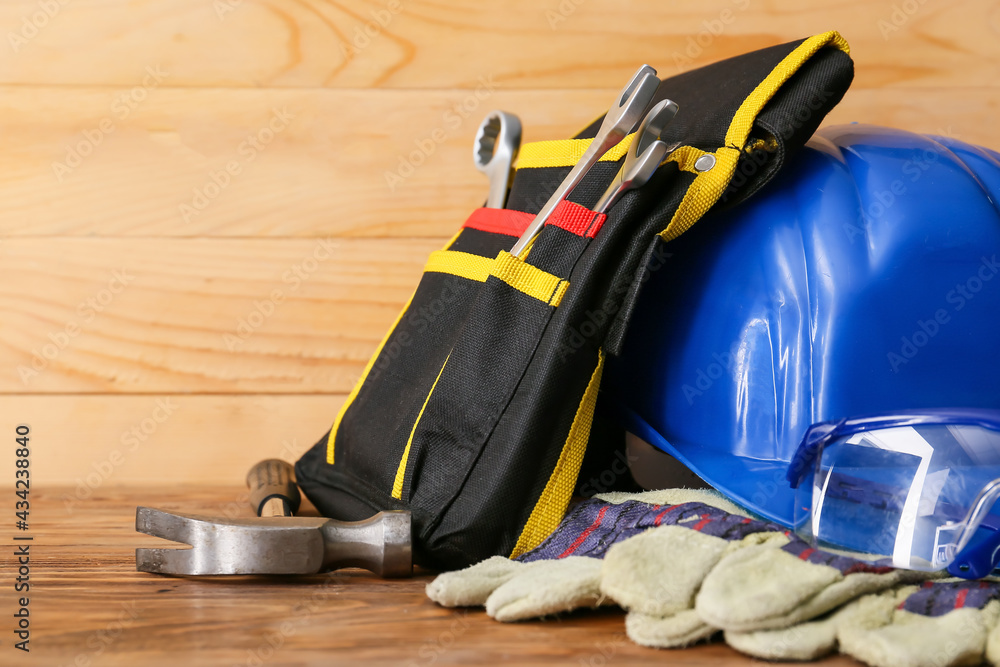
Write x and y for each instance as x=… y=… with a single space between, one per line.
x=704 y=163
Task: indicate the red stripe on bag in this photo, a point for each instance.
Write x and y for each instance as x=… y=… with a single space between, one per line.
x=571 y=217
x=499 y=221
x=578 y=541
x=960 y=598
x=577 y=219
x=806 y=553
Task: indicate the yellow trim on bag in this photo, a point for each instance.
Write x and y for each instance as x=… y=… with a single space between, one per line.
x=685 y=157
x=529 y=279
x=332 y=437
x=565 y=152
x=708 y=186
x=770 y=145
x=462 y=264
x=551 y=505
x=397 y=484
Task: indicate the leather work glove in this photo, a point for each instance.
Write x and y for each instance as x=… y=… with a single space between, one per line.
x=564 y=572
x=682 y=582
x=939 y=624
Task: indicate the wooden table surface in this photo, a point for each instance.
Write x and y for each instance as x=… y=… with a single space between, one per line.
x=89 y=606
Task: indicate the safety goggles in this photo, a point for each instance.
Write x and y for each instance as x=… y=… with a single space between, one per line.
x=913 y=490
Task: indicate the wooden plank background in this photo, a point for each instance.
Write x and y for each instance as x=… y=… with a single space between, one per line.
x=130 y=257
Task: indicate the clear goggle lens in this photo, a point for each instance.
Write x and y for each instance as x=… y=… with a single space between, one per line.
x=908 y=496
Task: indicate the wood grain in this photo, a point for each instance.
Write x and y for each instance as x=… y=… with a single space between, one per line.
x=522 y=43
x=325 y=174
x=92 y=442
x=198 y=315
x=89 y=603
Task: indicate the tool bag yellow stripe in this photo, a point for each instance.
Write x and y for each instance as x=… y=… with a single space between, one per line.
x=565 y=152
x=397 y=484
x=515 y=272
x=528 y=279
x=551 y=506
x=462 y=264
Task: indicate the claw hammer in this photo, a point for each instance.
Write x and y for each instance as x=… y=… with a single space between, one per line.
x=276 y=542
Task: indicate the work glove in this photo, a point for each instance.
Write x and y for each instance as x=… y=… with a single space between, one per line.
x=681 y=582
x=564 y=572
x=940 y=623
x=684 y=563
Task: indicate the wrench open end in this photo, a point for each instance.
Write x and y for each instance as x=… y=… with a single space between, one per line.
x=652 y=126
x=640 y=75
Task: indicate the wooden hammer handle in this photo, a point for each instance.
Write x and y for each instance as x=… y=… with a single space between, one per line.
x=273 y=479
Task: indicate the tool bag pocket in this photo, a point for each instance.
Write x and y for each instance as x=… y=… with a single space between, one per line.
x=389 y=397
x=475 y=411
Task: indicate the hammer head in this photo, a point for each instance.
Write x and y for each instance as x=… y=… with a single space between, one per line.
x=275 y=545
x=280 y=545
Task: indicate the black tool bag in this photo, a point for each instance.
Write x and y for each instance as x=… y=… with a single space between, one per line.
x=475 y=411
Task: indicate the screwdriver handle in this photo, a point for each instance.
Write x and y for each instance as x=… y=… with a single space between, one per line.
x=272 y=484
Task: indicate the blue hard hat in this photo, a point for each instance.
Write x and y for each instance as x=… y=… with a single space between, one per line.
x=864 y=279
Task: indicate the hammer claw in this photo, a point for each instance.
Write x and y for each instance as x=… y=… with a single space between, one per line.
x=173 y=527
